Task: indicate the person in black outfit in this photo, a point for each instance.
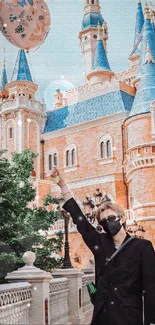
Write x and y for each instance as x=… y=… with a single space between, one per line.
x=126 y=286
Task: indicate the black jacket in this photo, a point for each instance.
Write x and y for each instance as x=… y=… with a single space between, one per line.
x=120 y=285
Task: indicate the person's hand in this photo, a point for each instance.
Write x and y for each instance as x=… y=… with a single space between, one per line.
x=57 y=177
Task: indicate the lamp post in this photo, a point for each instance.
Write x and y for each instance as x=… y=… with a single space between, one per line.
x=67 y=262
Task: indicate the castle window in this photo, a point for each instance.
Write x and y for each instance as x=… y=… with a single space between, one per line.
x=52 y=160
x=10 y=133
x=55 y=159
x=73 y=157
x=95 y=36
x=105 y=147
x=92 y=2
x=102 y=148
x=70 y=156
x=153 y=149
x=109 y=148
x=140 y=151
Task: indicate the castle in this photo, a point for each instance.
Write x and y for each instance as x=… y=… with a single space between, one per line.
x=100 y=135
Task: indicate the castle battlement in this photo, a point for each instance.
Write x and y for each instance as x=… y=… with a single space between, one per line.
x=89 y=91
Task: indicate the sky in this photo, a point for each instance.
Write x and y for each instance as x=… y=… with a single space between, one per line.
x=59 y=61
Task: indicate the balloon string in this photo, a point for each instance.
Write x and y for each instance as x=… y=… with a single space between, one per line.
x=33 y=76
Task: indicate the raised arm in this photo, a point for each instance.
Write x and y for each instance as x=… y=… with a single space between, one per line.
x=89 y=234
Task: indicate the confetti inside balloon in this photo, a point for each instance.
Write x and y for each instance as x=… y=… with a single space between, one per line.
x=25 y=23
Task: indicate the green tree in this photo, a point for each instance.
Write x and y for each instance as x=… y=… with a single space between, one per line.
x=23 y=226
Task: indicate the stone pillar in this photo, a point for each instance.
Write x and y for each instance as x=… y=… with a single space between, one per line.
x=75 y=302
x=39 y=279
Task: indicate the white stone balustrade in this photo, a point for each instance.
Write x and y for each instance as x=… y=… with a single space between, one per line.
x=59 y=309
x=59 y=226
x=35 y=298
x=15 y=301
x=87 y=305
x=22 y=102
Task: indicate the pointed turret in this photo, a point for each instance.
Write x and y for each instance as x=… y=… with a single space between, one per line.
x=100 y=61
x=101 y=70
x=4 y=81
x=23 y=68
x=58 y=99
x=146 y=89
x=4 y=75
x=88 y=34
x=148 y=38
x=138 y=34
x=22 y=84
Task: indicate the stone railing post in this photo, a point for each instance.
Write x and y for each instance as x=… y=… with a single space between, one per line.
x=39 y=279
x=75 y=302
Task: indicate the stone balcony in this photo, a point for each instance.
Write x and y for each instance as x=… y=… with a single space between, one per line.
x=23 y=103
x=59 y=224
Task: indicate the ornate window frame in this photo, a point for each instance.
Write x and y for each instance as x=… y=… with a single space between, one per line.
x=102 y=150
x=70 y=160
x=51 y=153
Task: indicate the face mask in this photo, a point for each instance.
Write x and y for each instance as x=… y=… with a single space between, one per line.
x=111 y=227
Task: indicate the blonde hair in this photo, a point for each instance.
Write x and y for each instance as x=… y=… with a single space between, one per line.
x=113 y=206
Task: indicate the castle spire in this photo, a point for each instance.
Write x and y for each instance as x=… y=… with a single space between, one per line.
x=146 y=88
x=148 y=41
x=88 y=34
x=139 y=22
x=101 y=70
x=4 y=74
x=23 y=68
x=100 y=61
x=138 y=31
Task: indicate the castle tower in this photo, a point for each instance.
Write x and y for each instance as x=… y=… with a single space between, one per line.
x=100 y=68
x=88 y=34
x=58 y=99
x=140 y=151
x=135 y=54
x=4 y=81
x=22 y=115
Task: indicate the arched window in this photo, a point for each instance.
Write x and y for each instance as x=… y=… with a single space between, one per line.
x=105 y=147
x=50 y=162
x=10 y=133
x=109 y=148
x=73 y=157
x=70 y=155
x=102 y=149
x=67 y=158
x=55 y=159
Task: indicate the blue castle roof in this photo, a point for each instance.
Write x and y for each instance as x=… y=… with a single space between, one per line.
x=148 y=37
x=146 y=90
x=23 y=68
x=100 y=61
x=91 y=20
x=4 y=79
x=138 y=29
x=139 y=22
x=89 y=110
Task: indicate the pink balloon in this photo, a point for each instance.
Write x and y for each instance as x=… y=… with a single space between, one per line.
x=24 y=23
